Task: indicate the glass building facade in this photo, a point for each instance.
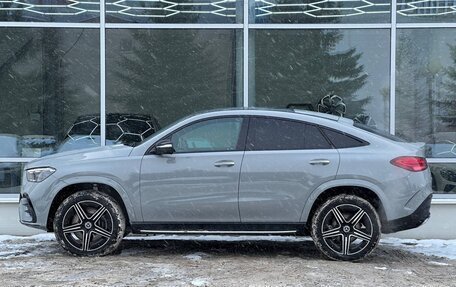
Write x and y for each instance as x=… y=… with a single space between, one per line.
x=76 y=74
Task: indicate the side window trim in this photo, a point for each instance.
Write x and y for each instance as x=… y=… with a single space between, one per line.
x=169 y=135
x=322 y=131
x=242 y=141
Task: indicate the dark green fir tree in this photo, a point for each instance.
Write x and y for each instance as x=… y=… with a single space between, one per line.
x=302 y=66
x=447 y=101
x=34 y=96
x=172 y=73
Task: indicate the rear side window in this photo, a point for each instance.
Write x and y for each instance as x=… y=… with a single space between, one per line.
x=343 y=140
x=281 y=134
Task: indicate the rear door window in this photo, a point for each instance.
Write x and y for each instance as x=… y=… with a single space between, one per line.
x=283 y=134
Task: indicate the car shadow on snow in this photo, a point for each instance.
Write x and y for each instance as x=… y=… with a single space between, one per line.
x=300 y=248
x=304 y=249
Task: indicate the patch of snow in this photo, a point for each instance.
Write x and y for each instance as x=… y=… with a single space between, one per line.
x=43 y=237
x=26 y=246
x=193 y=257
x=381 y=268
x=7 y=237
x=38 y=237
x=199 y=282
x=438 y=263
x=431 y=247
x=196 y=256
x=408 y=272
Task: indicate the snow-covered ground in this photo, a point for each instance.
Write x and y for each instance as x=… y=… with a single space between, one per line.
x=431 y=247
x=18 y=245
x=24 y=246
x=175 y=260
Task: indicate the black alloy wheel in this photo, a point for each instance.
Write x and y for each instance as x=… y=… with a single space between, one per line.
x=346 y=227
x=89 y=223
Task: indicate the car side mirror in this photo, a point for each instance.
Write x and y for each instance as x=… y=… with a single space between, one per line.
x=164 y=147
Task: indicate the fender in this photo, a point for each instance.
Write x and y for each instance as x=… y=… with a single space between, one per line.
x=341 y=182
x=69 y=180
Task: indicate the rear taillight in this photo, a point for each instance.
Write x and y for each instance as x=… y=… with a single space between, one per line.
x=412 y=163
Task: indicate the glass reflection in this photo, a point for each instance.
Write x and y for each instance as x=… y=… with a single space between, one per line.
x=426 y=11
x=48 y=77
x=50 y=11
x=174 y=11
x=10 y=177
x=426 y=89
x=169 y=74
x=443 y=177
x=314 y=11
x=342 y=72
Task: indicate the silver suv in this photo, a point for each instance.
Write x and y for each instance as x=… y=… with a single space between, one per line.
x=239 y=171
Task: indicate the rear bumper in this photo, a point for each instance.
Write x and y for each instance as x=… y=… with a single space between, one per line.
x=417 y=218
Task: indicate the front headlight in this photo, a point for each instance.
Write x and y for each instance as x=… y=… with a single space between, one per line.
x=39 y=174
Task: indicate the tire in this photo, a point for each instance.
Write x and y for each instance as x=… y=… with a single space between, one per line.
x=89 y=223
x=346 y=219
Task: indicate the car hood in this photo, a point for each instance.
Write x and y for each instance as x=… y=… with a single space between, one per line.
x=81 y=155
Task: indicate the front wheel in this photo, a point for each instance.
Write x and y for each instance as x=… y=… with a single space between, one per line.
x=346 y=227
x=89 y=223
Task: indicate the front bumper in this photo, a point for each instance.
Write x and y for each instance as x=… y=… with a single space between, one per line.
x=27 y=214
x=417 y=218
x=35 y=201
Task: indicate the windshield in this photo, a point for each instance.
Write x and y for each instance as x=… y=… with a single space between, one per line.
x=163 y=129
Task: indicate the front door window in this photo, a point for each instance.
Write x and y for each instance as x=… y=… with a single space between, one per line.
x=212 y=135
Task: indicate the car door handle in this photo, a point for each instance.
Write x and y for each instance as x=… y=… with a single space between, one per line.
x=320 y=162
x=221 y=163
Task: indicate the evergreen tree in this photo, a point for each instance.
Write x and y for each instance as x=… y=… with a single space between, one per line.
x=19 y=82
x=173 y=73
x=7 y=14
x=417 y=89
x=447 y=101
x=33 y=74
x=301 y=66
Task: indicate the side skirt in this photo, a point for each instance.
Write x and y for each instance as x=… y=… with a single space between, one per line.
x=219 y=228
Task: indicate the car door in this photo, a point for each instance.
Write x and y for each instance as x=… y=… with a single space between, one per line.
x=199 y=182
x=285 y=160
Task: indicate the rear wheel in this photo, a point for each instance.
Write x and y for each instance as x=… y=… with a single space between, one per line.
x=89 y=223
x=346 y=227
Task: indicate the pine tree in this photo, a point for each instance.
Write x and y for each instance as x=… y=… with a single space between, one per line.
x=19 y=82
x=33 y=74
x=173 y=73
x=416 y=88
x=302 y=66
x=448 y=100
x=10 y=15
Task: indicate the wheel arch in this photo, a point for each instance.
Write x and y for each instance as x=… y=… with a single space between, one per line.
x=366 y=191
x=108 y=189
